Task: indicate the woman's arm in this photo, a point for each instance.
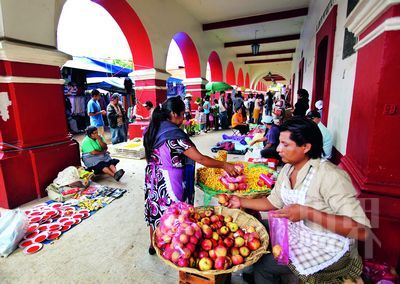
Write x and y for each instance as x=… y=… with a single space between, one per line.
x=102 y=144
x=195 y=155
x=341 y=225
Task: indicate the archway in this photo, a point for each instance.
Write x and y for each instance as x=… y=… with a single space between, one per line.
x=214 y=67
x=133 y=29
x=189 y=54
x=230 y=74
x=240 y=79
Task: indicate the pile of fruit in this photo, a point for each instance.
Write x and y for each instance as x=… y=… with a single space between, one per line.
x=203 y=239
x=247 y=181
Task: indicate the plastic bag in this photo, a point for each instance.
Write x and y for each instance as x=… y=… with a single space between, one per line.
x=278 y=229
x=13 y=227
x=178 y=234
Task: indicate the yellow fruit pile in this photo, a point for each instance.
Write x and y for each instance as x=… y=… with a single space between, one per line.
x=210 y=178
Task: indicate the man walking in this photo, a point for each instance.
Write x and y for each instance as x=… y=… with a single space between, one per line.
x=95 y=112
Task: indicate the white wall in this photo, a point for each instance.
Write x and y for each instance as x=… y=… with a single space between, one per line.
x=31 y=21
x=343 y=71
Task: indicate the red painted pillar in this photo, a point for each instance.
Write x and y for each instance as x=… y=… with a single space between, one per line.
x=34 y=141
x=197 y=87
x=150 y=85
x=372 y=155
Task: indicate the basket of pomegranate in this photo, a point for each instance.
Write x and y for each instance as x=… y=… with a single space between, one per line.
x=254 y=180
x=209 y=240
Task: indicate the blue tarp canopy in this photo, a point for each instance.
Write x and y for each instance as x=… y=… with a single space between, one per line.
x=97 y=68
x=107 y=83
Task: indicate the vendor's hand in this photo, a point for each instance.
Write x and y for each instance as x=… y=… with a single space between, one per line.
x=103 y=112
x=252 y=143
x=231 y=169
x=232 y=201
x=293 y=212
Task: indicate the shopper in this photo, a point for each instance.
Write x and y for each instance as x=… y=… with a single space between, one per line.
x=188 y=108
x=95 y=155
x=171 y=157
x=95 y=112
x=223 y=114
x=116 y=116
x=239 y=122
x=229 y=107
x=301 y=106
x=326 y=135
x=207 y=111
x=320 y=202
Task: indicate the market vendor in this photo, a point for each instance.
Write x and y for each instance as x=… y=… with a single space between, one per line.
x=95 y=155
x=170 y=154
x=270 y=139
x=320 y=202
x=238 y=121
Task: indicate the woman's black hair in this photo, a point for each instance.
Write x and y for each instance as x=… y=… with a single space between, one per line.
x=161 y=112
x=90 y=130
x=303 y=131
x=303 y=93
x=237 y=108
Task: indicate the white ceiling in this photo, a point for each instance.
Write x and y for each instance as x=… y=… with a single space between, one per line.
x=209 y=11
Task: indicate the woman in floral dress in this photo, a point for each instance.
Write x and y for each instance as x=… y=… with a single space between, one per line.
x=171 y=157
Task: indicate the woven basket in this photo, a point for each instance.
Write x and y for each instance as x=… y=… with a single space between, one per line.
x=242 y=219
x=249 y=195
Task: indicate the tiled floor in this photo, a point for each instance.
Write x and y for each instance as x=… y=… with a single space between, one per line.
x=110 y=246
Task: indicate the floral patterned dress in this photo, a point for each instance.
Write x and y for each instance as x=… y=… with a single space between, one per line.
x=165 y=179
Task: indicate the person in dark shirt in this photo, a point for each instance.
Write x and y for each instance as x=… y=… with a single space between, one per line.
x=270 y=139
x=301 y=107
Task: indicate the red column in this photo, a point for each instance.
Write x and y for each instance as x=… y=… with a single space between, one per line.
x=150 y=85
x=34 y=141
x=372 y=155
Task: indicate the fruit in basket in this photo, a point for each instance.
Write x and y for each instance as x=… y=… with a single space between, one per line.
x=229 y=242
x=244 y=251
x=212 y=254
x=239 y=241
x=232 y=226
x=216 y=246
x=206 y=244
x=223 y=200
x=237 y=259
x=254 y=244
x=214 y=218
x=207 y=231
x=206 y=220
x=205 y=263
x=250 y=174
x=224 y=230
x=235 y=251
x=221 y=250
x=228 y=219
x=221 y=263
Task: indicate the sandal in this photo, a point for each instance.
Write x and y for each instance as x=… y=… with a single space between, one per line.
x=152 y=251
x=118 y=174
